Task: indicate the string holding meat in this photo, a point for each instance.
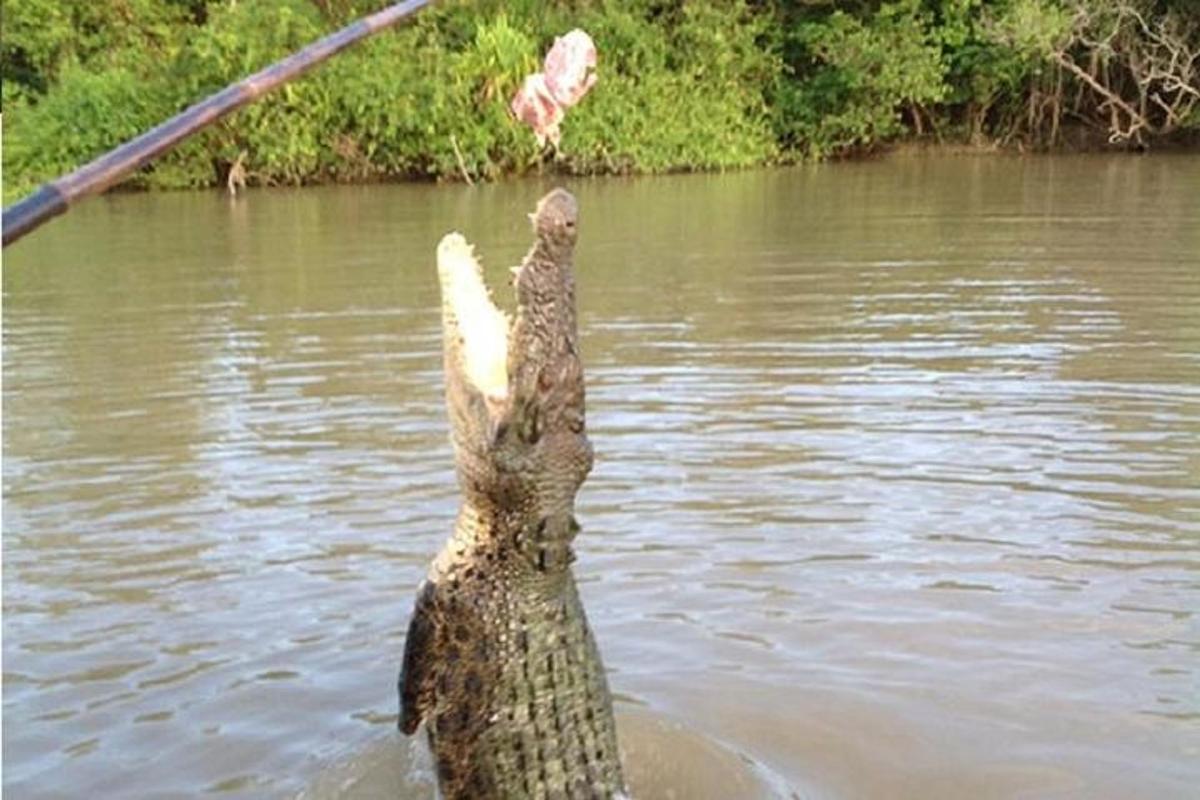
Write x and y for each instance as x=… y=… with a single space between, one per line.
x=568 y=72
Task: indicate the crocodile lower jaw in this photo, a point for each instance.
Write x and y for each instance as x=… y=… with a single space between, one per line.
x=482 y=327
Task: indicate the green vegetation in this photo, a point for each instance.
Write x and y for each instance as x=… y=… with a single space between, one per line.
x=707 y=84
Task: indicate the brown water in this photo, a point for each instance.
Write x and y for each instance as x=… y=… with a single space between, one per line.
x=897 y=490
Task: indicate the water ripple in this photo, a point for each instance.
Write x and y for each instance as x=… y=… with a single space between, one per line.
x=896 y=464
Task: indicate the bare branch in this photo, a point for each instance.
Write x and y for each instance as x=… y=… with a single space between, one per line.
x=1110 y=96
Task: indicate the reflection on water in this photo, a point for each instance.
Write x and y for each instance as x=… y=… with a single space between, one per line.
x=897 y=489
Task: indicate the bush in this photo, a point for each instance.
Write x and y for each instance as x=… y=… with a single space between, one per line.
x=634 y=120
x=87 y=114
x=853 y=75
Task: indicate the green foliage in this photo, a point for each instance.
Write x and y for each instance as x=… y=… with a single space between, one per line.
x=978 y=68
x=1031 y=28
x=86 y=114
x=855 y=73
x=634 y=119
x=36 y=34
x=43 y=37
x=981 y=72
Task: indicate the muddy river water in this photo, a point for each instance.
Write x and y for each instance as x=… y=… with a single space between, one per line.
x=897 y=491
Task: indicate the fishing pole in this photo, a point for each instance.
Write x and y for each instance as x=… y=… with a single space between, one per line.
x=54 y=198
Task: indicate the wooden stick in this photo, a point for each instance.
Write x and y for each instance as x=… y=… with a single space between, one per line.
x=56 y=197
x=461 y=166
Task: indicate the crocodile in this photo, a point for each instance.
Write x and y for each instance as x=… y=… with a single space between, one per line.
x=499 y=661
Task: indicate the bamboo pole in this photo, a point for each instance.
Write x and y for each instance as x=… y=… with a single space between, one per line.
x=56 y=197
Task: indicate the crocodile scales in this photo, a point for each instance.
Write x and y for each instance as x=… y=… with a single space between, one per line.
x=500 y=663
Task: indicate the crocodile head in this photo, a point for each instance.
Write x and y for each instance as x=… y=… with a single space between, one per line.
x=555 y=223
x=515 y=390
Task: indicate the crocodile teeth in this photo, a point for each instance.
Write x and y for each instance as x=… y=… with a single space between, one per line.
x=482 y=327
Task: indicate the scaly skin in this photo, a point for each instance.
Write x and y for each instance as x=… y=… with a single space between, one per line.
x=499 y=661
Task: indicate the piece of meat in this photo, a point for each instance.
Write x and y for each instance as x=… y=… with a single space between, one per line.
x=570 y=67
x=537 y=108
x=568 y=72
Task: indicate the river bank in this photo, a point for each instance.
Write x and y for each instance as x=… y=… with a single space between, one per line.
x=683 y=86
